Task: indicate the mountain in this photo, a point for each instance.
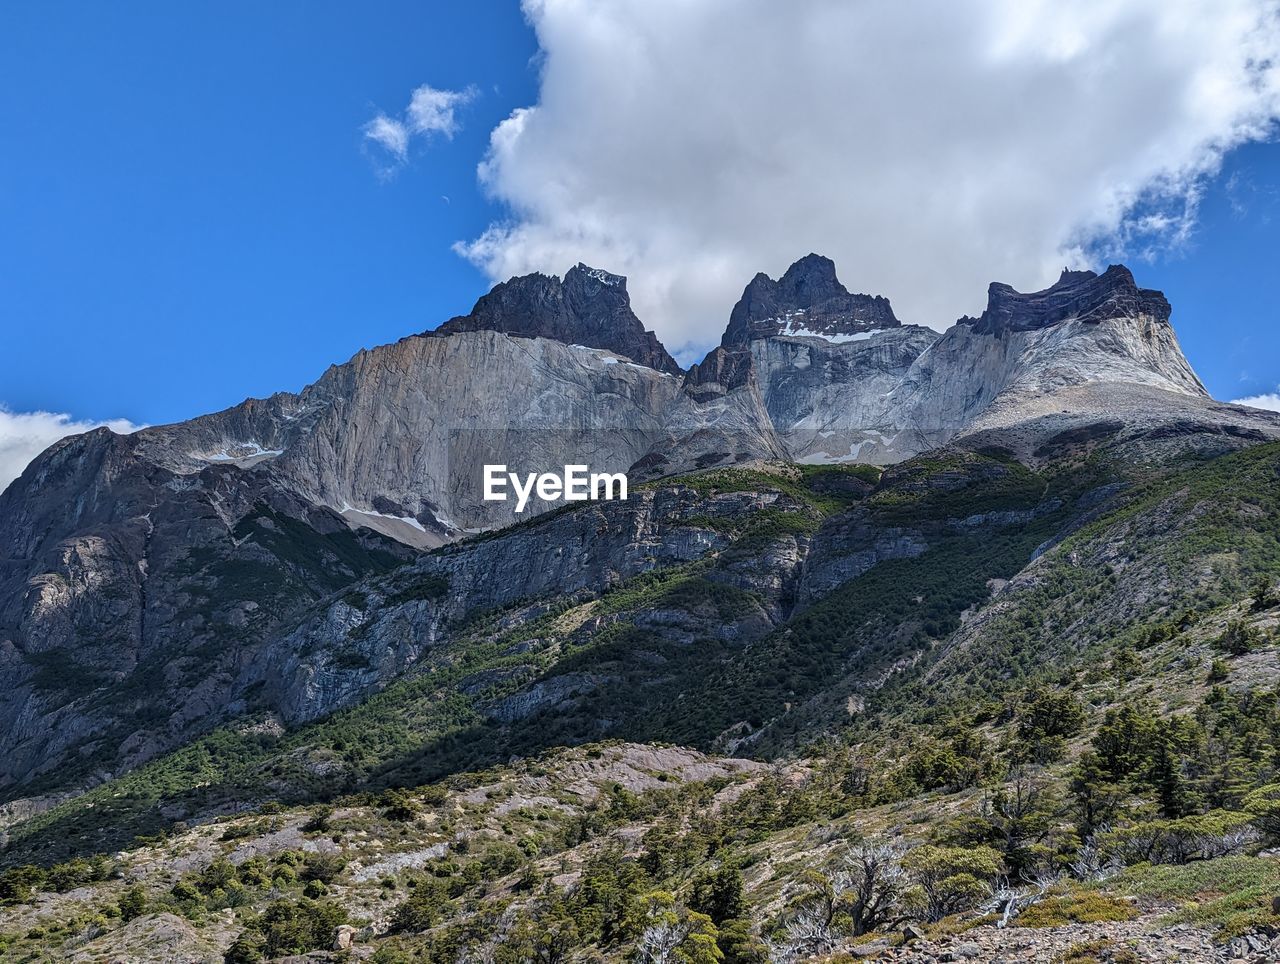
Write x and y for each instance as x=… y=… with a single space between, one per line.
x=854 y=384
x=845 y=535
x=589 y=306
x=179 y=558
x=1080 y=295
x=807 y=300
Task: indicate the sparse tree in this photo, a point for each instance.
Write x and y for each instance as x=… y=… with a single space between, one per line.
x=1092 y=863
x=951 y=879
x=672 y=932
x=133 y=903
x=1021 y=814
x=1264 y=594
x=869 y=884
x=809 y=933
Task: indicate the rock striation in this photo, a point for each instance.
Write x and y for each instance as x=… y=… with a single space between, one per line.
x=1080 y=295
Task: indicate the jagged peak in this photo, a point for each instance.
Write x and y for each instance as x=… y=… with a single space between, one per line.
x=814 y=272
x=807 y=300
x=582 y=273
x=590 y=307
x=1082 y=295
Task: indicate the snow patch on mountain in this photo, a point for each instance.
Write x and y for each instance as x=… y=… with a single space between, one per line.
x=406 y=519
x=238 y=452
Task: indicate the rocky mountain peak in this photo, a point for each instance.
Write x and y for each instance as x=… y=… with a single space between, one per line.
x=807 y=300
x=588 y=307
x=584 y=284
x=812 y=278
x=1082 y=295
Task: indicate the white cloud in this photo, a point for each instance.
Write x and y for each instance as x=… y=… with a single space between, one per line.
x=24 y=435
x=431 y=112
x=392 y=135
x=928 y=148
x=1267 y=400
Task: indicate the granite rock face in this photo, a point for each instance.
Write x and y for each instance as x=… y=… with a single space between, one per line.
x=397 y=438
x=835 y=401
x=400 y=618
x=129 y=594
x=882 y=396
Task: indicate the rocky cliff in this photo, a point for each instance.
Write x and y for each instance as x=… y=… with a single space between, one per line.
x=807 y=300
x=887 y=394
x=1079 y=295
x=181 y=559
x=589 y=307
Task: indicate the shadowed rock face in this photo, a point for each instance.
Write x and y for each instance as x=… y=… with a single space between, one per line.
x=589 y=307
x=721 y=371
x=807 y=299
x=1081 y=295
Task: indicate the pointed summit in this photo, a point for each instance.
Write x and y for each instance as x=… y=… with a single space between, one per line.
x=807 y=300
x=589 y=307
x=1082 y=295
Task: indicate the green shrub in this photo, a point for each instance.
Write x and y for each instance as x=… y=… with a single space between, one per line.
x=1231 y=894
x=133 y=903
x=423 y=909
x=1082 y=907
x=398 y=805
x=1219 y=833
x=288 y=927
x=323 y=867
x=950 y=879
x=1239 y=638
x=1263 y=807
x=19 y=884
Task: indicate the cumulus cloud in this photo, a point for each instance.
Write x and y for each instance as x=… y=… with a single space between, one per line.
x=24 y=435
x=1267 y=400
x=430 y=113
x=928 y=148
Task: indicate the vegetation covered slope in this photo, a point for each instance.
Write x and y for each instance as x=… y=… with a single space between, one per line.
x=1007 y=683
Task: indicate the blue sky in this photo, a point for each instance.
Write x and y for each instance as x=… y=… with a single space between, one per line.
x=187 y=212
x=190 y=213
x=1225 y=284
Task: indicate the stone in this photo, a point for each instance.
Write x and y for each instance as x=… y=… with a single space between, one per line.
x=912 y=932
x=343 y=937
x=871 y=949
